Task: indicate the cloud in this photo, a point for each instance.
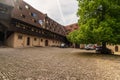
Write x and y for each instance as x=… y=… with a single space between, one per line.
x=63 y=12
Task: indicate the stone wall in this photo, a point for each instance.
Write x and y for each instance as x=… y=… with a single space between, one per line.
x=18 y=40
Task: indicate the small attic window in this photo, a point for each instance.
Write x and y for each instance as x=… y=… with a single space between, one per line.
x=34 y=20
x=22 y=15
x=33 y=14
x=27 y=7
x=19 y=8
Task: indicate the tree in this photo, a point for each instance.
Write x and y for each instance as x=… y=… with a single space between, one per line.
x=99 y=21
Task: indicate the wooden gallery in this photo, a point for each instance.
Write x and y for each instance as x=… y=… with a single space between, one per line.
x=23 y=26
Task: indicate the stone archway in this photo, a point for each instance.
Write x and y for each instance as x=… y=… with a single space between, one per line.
x=116 y=48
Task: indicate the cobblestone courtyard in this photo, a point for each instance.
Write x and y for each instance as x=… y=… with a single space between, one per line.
x=57 y=64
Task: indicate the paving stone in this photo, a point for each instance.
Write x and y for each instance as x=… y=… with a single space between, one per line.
x=57 y=64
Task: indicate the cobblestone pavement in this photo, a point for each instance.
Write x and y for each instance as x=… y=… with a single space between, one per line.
x=57 y=64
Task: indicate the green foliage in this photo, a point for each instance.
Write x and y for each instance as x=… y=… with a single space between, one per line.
x=99 y=21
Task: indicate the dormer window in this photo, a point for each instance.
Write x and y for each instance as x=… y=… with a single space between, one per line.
x=70 y=26
x=19 y=8
x=33 y=15
x=34 y=20
x=27 y=7
x=40 y=22
x=47 y=22
x=22 y=15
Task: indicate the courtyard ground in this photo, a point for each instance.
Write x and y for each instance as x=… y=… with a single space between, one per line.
x=57 y=64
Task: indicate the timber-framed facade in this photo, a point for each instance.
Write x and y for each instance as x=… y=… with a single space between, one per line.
x=24 y=26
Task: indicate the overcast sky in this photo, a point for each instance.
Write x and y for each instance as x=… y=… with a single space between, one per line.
x=62 y=11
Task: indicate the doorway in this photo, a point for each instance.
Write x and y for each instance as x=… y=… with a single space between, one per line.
x=28 y=41
x=46 y=42
x=116 y=48
x=1 y=38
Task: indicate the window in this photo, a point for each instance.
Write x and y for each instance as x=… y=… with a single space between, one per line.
x=43 y=26
x=34 y=20
x=19 y=8
x=32 y=29
x=47 y=27
x=22 y=15
x=69 y=30
x=76 y=24
x=43 y=32
x=47 y=22
x=17 y=25
x=39 y=31
x=70 y=26
x=75 y=28
x=27 y=7
x=36 y=30
x=33 y=15
x=24 y=27
x=41 y=40
x=40 y=22
x=19 y=36
x=35 y=39
x=53 y=29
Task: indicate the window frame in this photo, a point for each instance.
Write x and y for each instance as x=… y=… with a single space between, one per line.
x=20 y=37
